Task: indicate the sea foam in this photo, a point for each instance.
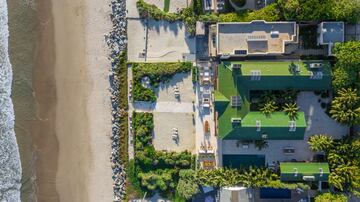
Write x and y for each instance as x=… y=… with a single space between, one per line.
x=10 y=168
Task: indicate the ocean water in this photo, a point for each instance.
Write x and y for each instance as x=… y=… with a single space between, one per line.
x=10 y=168
x=22 y=49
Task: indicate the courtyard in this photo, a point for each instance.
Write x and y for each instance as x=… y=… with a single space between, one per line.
x=144 y=35
x=318 y=122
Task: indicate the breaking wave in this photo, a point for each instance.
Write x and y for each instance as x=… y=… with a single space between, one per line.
x=10 y=168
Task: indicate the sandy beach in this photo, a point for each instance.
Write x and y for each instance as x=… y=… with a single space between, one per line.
x=71 y=129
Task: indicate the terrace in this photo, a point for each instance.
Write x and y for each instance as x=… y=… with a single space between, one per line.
x=299 y=171
x=255 y=38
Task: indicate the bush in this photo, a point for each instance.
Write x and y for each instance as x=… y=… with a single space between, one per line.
x=268 y=13
x=194 y=73
x=157 y=72
x=327 y=197
x=187 y=186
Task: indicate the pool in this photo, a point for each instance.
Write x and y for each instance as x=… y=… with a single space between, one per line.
x=243 y=160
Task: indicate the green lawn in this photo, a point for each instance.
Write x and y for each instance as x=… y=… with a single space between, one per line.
x=306 y=168
x=279 y=68
x=166 y=5
x=276 y=119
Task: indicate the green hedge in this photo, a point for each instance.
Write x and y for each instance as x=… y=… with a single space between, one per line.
x=157 y=72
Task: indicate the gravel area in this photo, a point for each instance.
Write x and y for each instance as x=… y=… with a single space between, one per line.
x=163 y=130
x=165 y=92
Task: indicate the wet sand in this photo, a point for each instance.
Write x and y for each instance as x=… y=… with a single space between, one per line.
x=69 y=133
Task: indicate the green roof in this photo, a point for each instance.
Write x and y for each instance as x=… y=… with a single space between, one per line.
x=276 y=119
x=271 y=68
x=274 y=76
x=295 y=171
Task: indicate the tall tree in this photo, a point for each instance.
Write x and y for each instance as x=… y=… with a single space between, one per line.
x=187 y=186
x=327 y=197
x=320 y=142
x=345 y=108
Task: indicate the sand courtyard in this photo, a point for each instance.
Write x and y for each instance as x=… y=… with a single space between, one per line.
x=159 y=41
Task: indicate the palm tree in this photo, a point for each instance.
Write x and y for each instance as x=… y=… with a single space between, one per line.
x=291 y=110
x=320 y=143
x=269 y=108
x=345 y=108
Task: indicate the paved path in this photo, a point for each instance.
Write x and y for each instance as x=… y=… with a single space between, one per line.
x=174 y=107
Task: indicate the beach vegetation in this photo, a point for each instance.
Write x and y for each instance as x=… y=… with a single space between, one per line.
x=121 y=73
x=157 y=73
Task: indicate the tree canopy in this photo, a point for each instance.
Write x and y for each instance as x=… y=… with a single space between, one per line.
x=187 y=186
x=345 y=108
x=343 y=157
x=319 y=10
x=326 y=197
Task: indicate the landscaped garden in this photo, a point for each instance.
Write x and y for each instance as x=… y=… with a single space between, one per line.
x=156 y=73
x=343 y=157
x=154 y=171
x=311 y=10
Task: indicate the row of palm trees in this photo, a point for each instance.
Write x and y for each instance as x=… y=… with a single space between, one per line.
x=290 y=109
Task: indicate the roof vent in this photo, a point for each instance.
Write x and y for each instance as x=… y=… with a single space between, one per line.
x=292 y=126
x=296 y=172
x=258 y=126
x=321 y=172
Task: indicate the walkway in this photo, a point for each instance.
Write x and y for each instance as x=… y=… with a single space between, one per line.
x=181 y=107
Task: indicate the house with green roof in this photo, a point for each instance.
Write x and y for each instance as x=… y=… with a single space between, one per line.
x=235 y=81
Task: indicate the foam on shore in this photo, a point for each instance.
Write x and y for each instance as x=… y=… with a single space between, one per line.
x=10 y=168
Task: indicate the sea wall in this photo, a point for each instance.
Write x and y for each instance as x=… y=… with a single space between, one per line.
x=10 y=168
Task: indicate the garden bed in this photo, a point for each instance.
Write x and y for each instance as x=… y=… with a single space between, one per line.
x=157 y=73
x=154 y=171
